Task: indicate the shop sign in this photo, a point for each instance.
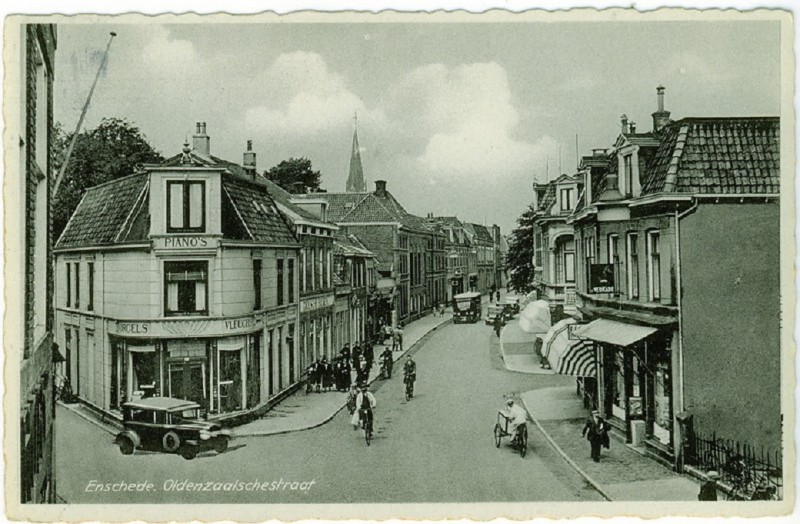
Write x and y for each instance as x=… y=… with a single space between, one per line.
x=601 y=278
x=316 y=303
x=185 y=242
x=188 y=327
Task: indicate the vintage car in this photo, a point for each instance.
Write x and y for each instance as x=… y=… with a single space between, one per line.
x=169 y=425
x=494 y=311
x=512 y=303
x=467 y=307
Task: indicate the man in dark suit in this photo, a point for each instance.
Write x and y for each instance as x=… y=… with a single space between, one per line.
x=596 y=432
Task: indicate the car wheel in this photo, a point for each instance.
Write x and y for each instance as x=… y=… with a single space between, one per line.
x=188 y=452
x=125 y=446
x=221 y=444
x=171 y=441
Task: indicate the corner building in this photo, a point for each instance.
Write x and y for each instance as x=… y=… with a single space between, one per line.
x=170 y=283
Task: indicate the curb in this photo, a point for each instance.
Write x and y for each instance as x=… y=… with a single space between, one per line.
x=328 y=419
x=565 y=457
x=84 y=416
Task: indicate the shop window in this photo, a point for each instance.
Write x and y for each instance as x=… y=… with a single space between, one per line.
x=281 y=282
x=144 y=372
x=230 y=380
x=633 y=266
x=186 y=203
x=619 y=399
x=654 y=265
x=186 y=288
x=257 y=283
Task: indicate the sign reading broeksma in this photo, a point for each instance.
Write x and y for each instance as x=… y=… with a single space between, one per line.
x=601 y=278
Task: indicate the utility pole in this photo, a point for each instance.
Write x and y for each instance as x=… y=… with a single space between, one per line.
x=80 y=120
x=577 y=155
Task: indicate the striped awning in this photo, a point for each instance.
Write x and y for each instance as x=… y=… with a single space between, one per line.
x=567 y=356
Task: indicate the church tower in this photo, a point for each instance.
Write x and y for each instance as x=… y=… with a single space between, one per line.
x=355 y=180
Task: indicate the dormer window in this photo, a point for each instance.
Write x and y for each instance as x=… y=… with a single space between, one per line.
x=566 y=199
x=627 y=175
x=186 y=206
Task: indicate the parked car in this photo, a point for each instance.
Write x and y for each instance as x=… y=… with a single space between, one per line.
x=169 y=425
x=467 y=307
x=513 y=301
x=494 y=311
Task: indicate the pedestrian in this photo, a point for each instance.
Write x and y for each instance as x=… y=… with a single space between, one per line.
x=498 y=325
x=356 y=355
x=320 y=373
x=387 y=333
x=345 y=351
x=397 y=338
x=362 y=373
x=344 y=372
x=313 y=375
x=441 y=309
x=596 y=432
x=369 y=355
x=708 y=491
x=388 y=361
x=497 y=296
x=327 y=374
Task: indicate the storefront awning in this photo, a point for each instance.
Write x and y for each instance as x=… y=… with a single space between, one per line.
x=568 y=356
x=230 y=344
x=613 y=332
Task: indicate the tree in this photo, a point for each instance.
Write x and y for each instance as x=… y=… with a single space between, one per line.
x=295 y=175
x=108 y=152
x=520 y=253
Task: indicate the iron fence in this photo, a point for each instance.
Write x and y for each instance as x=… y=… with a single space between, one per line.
x=750 y=472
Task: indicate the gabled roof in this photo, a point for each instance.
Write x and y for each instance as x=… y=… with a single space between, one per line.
x=548 y=199
x=447 y=221
x=717 y=156
x=350 y=246
x=254 y=206
x=105 y=214
x=482 y=233
x=367 y=207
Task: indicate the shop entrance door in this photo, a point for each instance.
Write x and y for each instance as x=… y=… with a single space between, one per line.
x=187 y=381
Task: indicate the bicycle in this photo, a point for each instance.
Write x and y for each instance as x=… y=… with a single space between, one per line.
x=409 y=380
x=366 y=417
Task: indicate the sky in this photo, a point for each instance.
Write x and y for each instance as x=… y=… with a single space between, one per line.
x=459 y=119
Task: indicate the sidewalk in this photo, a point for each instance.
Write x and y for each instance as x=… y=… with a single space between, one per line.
x=305 y=411
x=517 y=349
x=623 y=473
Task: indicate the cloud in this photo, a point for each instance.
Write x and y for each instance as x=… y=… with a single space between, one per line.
x=306 y=98
x=165 y=54
x=471 y=121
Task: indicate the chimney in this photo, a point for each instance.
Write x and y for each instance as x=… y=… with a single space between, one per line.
x=201 y=142
x=660 y=117
x=624 y=123
x=380 y=188
x=249 y=160
x=632 y=127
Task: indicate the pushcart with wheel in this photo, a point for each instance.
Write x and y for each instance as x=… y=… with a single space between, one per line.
x=519 y=440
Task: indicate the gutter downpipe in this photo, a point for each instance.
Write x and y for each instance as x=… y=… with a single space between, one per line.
x=678 y=292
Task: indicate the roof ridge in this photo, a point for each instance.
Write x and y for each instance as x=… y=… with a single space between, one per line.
x=233 y=203
x=128 y=220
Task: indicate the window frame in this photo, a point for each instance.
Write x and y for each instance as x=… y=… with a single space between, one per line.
x=654 y=281
x=612 y=255
x=279 y=272
x=257 y=283
x=90 y=286
x=566 y=192
x=632 y=272
x=179 y=313
x=186 y=228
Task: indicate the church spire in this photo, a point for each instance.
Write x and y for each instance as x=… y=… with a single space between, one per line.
x=355 y=180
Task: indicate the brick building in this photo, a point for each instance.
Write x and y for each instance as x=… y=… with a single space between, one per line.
x=677 y=237
x=31 y=122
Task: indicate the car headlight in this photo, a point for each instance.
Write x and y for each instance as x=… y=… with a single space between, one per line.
x=204 y=435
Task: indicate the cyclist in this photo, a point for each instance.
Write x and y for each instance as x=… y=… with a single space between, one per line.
x=365 y=403
x=516 y=415
x=409 y=372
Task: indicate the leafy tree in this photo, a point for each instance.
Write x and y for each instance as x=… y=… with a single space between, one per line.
x=520 y=253
x=294 y=175
x=107 y=152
